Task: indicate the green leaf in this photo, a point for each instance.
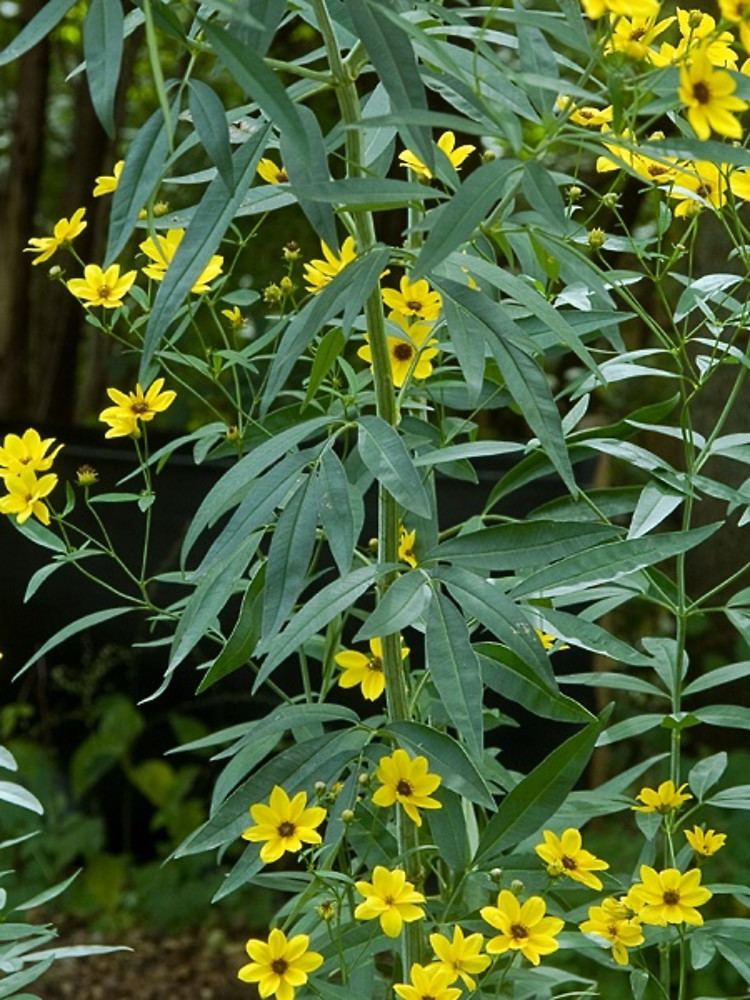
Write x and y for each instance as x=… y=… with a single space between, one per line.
x=470 y=349
x=737 y=797
x=528 y=806
x=342 y=510
x=18 y=980
x=454 y=669
x=48 y=894
x=544 y=196
x=634 y=726
x=472 y=449
x=244 y=637
x=306 y=163
x=729 y=716
x=706 y=773
x=448 y=758
x=18 y=796
x=329 y=350
x=102 y=49
x=210 y=123
x=384 y=453
x=655 y=503
x=88 y=621
x=615 y=681
x=400 y=606
x=715 y=678
x=40 y=535
x=576 y=630
x=48 y=17
x=448 y=830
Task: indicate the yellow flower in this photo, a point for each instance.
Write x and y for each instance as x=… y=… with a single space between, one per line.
x=625 y=153
x=708 y=95
x=26 y=452
x=460 y=956
x=548 y=640
x=446 y=143
x=280 y=965
x=102 y=288
x=626 y=8
x=406 y=351
x=285 y=824
x=235 y=317
x=64 y=232
x=134 y=406
x=414 y=299
x=565 y=856
x=270 y=173
x=428 y=982
x=738 y=12
x=663 y=799
x=319 y=273
x=406 y=780
x=611 y=922
x=588 y=116
x=391 y=899
x=668 y=897
x=25 y=495
x=366 y=671
x=634 y=35
x=522 y=928
x=107 y=183
x=702 y=178
x=161 y=250
x=407 y=541
x=705 y=842
x=656 y=171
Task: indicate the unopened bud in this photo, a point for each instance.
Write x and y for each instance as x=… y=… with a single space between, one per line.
x=574 y=192
x=327 y=909
x=86 y=475
x=291 y=251
x=488 y=156
x=320 y=787
x=55 y=271
x=347 y=816
x=596 y=238
x=363 y=779
x=232 y=432
x=609 y=199
x=286 y=285
x=516 y=887
x=496 y=874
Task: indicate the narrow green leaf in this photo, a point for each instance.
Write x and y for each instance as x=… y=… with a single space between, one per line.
x=401 y=605
x=329 y=349
x=448 y=830
x=342 y=510
x=729 y=716
x=48 y=894
x=633 y=726
x=88 y=621
x=306 y=163
x=19 y=796
x=18 y=980
x=210 y=123
x=715 y=678
x=103 y=36
x=38 y=28
x=470 y=349
x=578 y=631
x=655 y=503
x=243 y=638
x=471 y=449
x=617 y=682
x=523 y=545
x=383 y=451
x=706 y=773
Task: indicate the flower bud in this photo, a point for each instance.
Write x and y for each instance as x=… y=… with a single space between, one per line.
x=363 y=779
x=272 y=294
x=291 y=252
x=347 y=816
x=320 y=787
x=516 y=887
x=55 y=271
x=286 y=285
x=609 y=199
x=327 y=909
x=86 y=475
x=574 y=192
x=596 y=238
x=496 y=874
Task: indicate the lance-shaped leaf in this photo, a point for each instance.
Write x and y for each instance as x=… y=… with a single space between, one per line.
x=88 y=621
x=244 y=636
x=342 y=510
x=307 y=162
x=39 y=27
x=102 y=49
x=210 y=123
x=383 y=451
x=401 y=605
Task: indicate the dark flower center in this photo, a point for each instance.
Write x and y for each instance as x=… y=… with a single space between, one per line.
x=637 y=34
x=279 y=966
x=286 y=829
x=701 y=92
x=403 y=352
x=518 y=932
x=282 y=176
x=388 y=900
x=671 y=897
x=612 y=930
x=414 y=305
x=404 y=788
x=104 y=291
x=704 y=190
x=375 y=664
x=568 y=863
x=139 y=407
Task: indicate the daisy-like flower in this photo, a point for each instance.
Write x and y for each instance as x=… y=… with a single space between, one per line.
x=669 y=897
x=280 y=965
x=460 y=956
x=634 y=35
x=29 y=451
x=428 y=982
x=565 y=856
x=235 y=317
x=624 y=153
x=407 y=781
x=706 y=180
x=662 y=170
x=705 y=842
x=406 y=543
x=613 y=923
x=663 y=799
x=414 y=299
x=708 y=95
x=284 y=824
x=390 y=899
x=133 y=406
x=588 y=116
x=25 y=496
x=319 y=273
x=63 y=233
x=102 y=288
x=107 y=183
x=524 y=928
x=270 y=173
x=697 y=27
x=738 y=12
x=161 y=250
x=367 y=671
x=407 y=350
x=446 y=143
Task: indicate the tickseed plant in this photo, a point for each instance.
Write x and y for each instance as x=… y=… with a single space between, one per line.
x=503 y=211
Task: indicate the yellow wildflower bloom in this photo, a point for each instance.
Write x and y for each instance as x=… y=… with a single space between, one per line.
x=102 y=288
x=235 y=317
x=407 y=541
x=428 y=982
x=270 y=173
x=408 y=782
x=107 y=183
x=705 y=842
x=281 y=965
x=588 y=116
x=595 y=9
x=26 y=494
x=608 y=923
x=134 y=406
x=402 y=351
x=626 y=154
x=414 y=299
x=284 y=823
x=708 y=95
x=548 y=640
x=161 y=250
x=523 y=928
x=391 y=899
x=697 y=27
x=319 y=273
x=702 y=178
x=64 y=232
x=460 y=956
x=29 y=451
x=367 y=671
x=663 y=799
x=565 y=856
x=633 y=35
x=663 y=170
x=738 y=12
x=669 y=897
x=446 y=143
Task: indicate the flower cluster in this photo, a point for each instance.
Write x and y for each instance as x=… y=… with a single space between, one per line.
x=21 y=460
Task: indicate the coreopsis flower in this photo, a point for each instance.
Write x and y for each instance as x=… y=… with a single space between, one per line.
x=430 y=982
x=633 y=36
x=446 y=143
x=270 y=173
x=411 y=352
x=524 y=928
x=612 y=922
x=29 y=451
x=708 y=95
x=702 y=178
x=407 y=781
x=548 y=640
x=107 y=183
x=595 y=9
x=738 y=12
x=133 y=406
x=460 y=956
x=280 y=965
x=284 y=824
x=705 y=842
x=367 y=671
x=663 y=799
x=625 y=153
x=588 y=116
x=25 y=496
x=406 y=543
x=663 y=170
x=414 y=299
x=161 y=250
x=390 y=899
x=669 y=897
x=565 y=856
x=63 y=233
x=102 y=288
x=319 y=273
